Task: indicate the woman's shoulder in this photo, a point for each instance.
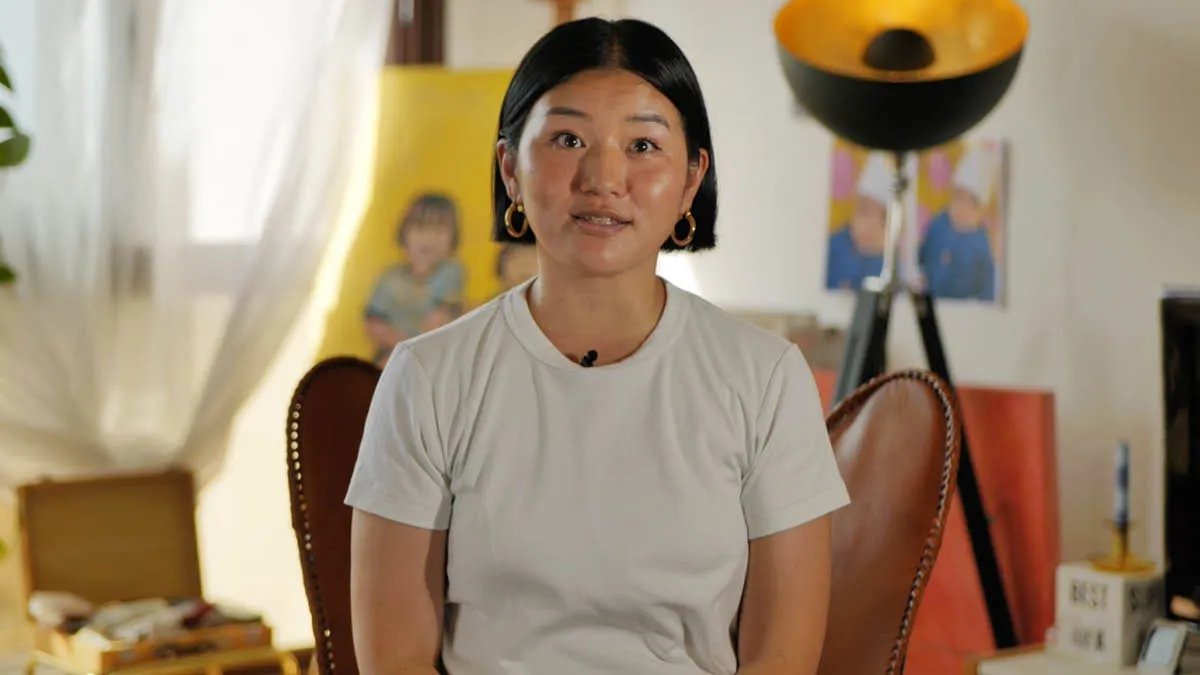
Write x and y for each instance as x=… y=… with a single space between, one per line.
x=754 y=364
x=724 y=332
x=451 y=345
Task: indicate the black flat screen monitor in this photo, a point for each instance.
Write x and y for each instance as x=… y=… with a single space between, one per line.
x=1180 y=317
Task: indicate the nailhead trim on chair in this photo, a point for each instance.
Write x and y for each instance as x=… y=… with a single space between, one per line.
x=933 y=542
x=300 y=523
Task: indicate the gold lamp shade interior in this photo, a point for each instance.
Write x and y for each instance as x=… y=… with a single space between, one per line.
x=900 y=75
x=946 y=38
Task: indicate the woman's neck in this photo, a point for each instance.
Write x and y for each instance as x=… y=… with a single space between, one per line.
x=611 y=315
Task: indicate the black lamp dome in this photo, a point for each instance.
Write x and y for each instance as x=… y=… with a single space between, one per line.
x=900 y=76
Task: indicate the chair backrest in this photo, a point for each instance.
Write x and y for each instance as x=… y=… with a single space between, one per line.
x=324 y=428
x=896 y=440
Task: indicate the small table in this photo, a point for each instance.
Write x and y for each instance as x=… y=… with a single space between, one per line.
x=1041 y=662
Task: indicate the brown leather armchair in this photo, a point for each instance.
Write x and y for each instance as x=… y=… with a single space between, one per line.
x=896 y=440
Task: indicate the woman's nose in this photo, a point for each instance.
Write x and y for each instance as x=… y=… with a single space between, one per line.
x=602 y=171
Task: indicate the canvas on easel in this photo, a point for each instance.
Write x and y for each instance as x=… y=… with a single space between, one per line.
x=423 y=255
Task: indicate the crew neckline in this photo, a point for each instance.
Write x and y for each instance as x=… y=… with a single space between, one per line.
x=529 y=333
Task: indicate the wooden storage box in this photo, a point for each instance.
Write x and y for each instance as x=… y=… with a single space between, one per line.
x=79 y=654
x=119 y=538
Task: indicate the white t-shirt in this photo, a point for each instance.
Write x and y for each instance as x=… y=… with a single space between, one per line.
x=599 y=517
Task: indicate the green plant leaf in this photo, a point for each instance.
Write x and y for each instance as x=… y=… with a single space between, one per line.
x=14 y=150
x=4 y=81
x=6 y=120
x=7 y=276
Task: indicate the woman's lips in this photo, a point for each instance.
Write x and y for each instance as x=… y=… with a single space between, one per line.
x=600 y=225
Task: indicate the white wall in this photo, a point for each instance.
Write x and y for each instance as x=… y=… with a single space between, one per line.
x=1103 y=211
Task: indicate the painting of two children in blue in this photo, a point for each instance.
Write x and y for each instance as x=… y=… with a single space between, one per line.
x=956 y=247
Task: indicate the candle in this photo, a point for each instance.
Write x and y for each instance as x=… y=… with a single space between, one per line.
x=1121 y=502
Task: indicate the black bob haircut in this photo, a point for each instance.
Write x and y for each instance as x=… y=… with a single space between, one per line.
x=631 y=45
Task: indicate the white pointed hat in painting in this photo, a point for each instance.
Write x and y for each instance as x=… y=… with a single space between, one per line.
x=875 y=180
x=976 y=171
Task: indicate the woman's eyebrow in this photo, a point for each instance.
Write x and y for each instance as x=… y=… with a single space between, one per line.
x=566 y=112
x=649 y=117
x=645 y=117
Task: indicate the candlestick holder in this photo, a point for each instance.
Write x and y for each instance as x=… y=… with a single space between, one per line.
x=1121 y=559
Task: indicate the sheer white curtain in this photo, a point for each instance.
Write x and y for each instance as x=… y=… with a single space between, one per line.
x=189 y=165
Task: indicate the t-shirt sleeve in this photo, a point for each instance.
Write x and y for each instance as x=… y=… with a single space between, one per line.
x=401 y=469
x=793 y=476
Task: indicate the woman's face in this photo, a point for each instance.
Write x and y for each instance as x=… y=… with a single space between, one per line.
x=603 y=172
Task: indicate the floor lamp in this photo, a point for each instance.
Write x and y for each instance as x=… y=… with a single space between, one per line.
x=901 y=77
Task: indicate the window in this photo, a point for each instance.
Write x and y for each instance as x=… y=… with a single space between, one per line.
x=233 y=56
x=226 y=71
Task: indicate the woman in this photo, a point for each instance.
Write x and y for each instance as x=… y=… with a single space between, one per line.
x=596 y=472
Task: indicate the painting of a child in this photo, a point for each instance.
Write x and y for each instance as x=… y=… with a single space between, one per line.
x=957 y=253
x=426 y=290
x=855 y=247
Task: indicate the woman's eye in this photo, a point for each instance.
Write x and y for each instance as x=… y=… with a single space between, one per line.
x=644 y=145
x=568 y=140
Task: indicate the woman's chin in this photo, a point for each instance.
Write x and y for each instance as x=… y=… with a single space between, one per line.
x=603 y=261
x=603 y=256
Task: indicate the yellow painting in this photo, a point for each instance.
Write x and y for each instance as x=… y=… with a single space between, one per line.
x=423 y=254
x=960 y=220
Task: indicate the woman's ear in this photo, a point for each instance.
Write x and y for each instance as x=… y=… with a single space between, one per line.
x=697 y=169
x=506 y=159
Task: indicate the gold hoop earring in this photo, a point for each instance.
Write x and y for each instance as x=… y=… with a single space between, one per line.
x=686 y=241
x=508 y=221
